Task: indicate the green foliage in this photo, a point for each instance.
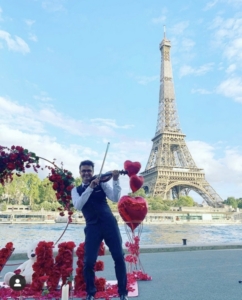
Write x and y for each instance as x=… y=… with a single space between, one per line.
x=3 y=206
x=232 y=202
x=239 y=203
x=46 y=205
x=140 y=192
x=35 y=207
x=112 y=205
x=184 y=201
x=29 y=189
x=78 y=181
x=46 y=192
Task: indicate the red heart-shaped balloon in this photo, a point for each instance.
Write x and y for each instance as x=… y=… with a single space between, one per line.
x=132 y=210
x=136 y=182
x=132 y=167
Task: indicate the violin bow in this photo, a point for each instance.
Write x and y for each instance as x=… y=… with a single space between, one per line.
x=104 y=160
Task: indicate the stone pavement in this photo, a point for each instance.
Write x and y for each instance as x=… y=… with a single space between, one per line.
x=184 y=275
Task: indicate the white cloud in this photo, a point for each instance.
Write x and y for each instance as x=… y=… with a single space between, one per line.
x=33 y=37
x=201 y=91
x=10 y=107
x=187 y=44
x=109 y=122
x=44 y=146
x=144 y=80
x=231 y=88
x=29 y=22
x=29 y=119
x=224 y=174
x=234 y=50
x=227 y=37
x=53 y=5
x=1 y=18
x=231 y=68
x=43 y=97
x=49 y=148
x=15 y=44
x=210 y=5
x=188 y=70
x=159 y=20
x=236 y=3
x=179 y=28
x=15 y=115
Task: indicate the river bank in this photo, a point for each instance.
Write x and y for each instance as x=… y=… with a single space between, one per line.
x=176 y=216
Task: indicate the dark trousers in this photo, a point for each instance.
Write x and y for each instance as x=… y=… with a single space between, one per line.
x=109 y=232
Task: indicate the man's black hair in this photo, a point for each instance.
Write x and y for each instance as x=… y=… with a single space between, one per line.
x=86 y=163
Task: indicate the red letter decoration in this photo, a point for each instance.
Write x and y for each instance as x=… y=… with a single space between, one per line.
x=5 y=254
x=43 y=265
x=46 y=269
x=80 y=285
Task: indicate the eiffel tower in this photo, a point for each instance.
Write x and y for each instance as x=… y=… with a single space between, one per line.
x=171 y=170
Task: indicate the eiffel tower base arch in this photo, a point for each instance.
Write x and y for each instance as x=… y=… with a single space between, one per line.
x=167 y=189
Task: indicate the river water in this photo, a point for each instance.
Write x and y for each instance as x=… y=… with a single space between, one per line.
x=163 y=234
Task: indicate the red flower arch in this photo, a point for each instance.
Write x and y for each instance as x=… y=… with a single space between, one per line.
x=16 y=159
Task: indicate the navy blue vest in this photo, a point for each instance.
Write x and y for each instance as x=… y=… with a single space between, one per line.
x=96 y=208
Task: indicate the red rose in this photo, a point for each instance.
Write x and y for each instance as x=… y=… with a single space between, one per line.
x=20 y=149
x=99 y=266
x=13 y=156
x=9 y=245
x=70 y=187
x=55 y=186
x=11 y=166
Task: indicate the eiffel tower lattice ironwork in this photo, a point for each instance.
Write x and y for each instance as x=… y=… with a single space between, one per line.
x=171 y=170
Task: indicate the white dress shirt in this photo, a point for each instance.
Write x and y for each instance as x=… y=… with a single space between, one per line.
x=112 y=194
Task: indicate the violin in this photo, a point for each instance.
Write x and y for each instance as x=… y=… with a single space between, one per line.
x=107 y=176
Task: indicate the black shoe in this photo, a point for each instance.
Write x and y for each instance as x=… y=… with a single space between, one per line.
x=90 y=297
x=123 y=297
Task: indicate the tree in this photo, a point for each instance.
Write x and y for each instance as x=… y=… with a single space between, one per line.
x=140 y=193
x=231 y=201
x=46 y=205
x=31 y=190
x=46 y=192
x=184 y=201
x=14 y=191
x=78 y=181
x=3 y=206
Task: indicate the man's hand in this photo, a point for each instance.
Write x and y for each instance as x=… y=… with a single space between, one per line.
x=115 y=175
x=94 y=183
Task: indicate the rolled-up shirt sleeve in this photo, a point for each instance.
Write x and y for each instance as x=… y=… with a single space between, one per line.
x=79 y=201
x=112 y=193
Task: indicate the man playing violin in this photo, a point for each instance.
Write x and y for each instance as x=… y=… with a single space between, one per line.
x=90 y=198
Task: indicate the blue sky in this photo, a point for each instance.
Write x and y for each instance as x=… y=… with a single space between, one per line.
x=77 y=74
